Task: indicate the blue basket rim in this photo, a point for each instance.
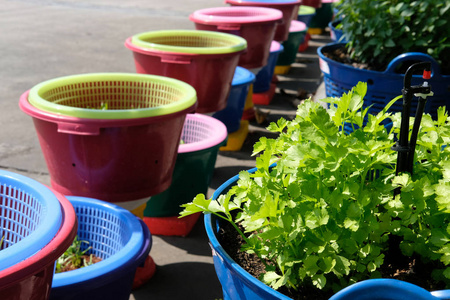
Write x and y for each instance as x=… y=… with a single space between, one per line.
x=118 y=261
x=44 y=232
x=242 y=76
x=245 y=276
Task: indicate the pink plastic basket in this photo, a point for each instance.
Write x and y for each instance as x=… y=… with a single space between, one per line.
x=255 y=24
x=201 y=132
x=289 y=8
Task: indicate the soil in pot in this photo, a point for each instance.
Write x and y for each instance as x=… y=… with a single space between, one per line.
x=396 y=266
x=76 y=258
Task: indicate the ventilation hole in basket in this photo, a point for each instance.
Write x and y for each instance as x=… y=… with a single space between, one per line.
x=370 y=81
x=156 y=162
x=73 y=165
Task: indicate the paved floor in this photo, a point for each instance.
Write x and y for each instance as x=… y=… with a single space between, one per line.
x=45 y=39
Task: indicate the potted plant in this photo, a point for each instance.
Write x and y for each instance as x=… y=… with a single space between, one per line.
x=384 y=38
x=319 y=211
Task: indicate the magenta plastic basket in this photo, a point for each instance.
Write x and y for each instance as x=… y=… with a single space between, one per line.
x=255 y=24
x=201 y=132
x=115 y=160
x=289 y=8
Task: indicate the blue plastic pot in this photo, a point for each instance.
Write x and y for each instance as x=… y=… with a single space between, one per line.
x=264 y=76
x=231 y=116
x=383 y=86
x=336 y=34
x=238 y=284
x=120 y=239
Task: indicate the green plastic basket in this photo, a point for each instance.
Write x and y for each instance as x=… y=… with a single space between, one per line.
x=190 y=41
x=112 y=96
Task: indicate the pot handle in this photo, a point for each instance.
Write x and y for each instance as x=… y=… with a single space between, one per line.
x=383 y=289
x=173 y=59
x=414 y=56
x=78 y=129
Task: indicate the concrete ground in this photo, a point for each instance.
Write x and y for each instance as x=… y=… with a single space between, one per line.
x=45 y=39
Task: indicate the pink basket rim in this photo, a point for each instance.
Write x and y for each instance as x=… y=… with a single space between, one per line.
x=80 y=126
x=275 y=46
x=48 y=254
x=217 y=126
x=265 y=3
x=297 y=26
x=214 y=15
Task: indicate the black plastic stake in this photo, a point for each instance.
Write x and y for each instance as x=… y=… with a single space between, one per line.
x=405 y=149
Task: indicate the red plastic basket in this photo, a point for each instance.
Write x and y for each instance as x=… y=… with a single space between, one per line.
x=115 y=160
x=256 y=25
x=289 y=8
x=206 y=60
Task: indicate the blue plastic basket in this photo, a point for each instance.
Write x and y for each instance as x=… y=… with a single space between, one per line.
x=382 y=87
x=264 y=76
x=337 y=35
x=231 y=116
x=119 y=238
x=30 y=217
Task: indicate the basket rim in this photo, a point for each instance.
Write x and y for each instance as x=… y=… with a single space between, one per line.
x=218 y=127
x=44 y=232
x=209 y=15
x=35 y=99
x=138 y=40
x=264 y=2
x=305 y=10
x=297 y=26
x=119 y=260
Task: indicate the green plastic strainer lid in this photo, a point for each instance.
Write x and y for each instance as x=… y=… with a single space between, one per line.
x=190 y=41
x=112 y=96
x=306 y=10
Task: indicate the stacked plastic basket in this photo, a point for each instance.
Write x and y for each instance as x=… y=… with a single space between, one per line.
x=201 y=138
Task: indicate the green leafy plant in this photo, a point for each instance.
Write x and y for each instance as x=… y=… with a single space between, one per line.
x=74 y=257
x=325 y=214
x=380 y=30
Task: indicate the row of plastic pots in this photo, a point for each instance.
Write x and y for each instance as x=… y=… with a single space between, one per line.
x=39 y=224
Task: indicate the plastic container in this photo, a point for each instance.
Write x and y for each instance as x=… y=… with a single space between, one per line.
x=98 y=158
x=289 y=8
x=265 y=75
x=238 y=284
x=202 y=136
x=115 y=235
x=256 y=25
x=204 y=59
x=38 y=225
x=305 y=14
x=336 y=34
x=297 y=33
x=231 y=116
x=323 y=16
x=384 y=86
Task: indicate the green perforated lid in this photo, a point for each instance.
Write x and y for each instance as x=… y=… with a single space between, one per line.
x=112 y=96
x=190 y=41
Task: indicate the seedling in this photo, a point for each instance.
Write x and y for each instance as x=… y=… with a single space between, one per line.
x=74 y=257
